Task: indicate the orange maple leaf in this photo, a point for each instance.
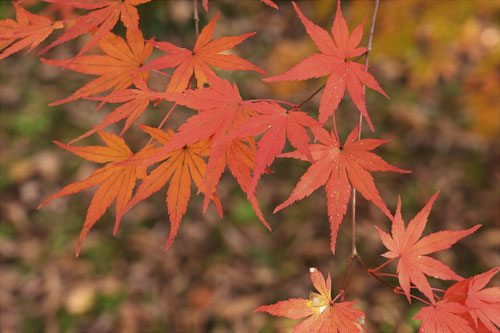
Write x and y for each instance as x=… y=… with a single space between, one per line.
x=444 y=317
x=135 y=102
x=179 y=166
x=114 y=68
x=413 y=263
x=279 y=124
x=337 y=167
x=205 y=53
x=323 y=314
x=105 y=14
x=333 y=61
x=221 y=110
x=116 y=181
x=30 y=30
x=482 y=304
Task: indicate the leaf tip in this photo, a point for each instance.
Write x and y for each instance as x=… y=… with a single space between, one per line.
x=262 y=308
x=169 y=244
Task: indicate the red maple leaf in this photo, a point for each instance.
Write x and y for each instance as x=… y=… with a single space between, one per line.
x=116 y=181
x=205 y=53
x=483 y=305
x=444 y=317
x=221 y=110
x=413 y=263
x=323 y=314
x=114 y=68
x=135 y=102
x=105 y=14
x=278 y=124
x=219 y=106
x=29 y=31
x=270 y=3
x=334 y=62
x=337 y=167
x=178 y=167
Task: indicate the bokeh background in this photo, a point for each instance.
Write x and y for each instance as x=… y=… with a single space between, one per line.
x=439 y=61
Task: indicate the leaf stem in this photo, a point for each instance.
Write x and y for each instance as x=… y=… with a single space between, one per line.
x=387 y=274
x=163 y=74
x=312 y=96
x=164 y=120
x=270 y=100
x=383 y=265
x=369 y=271
x=399 y=291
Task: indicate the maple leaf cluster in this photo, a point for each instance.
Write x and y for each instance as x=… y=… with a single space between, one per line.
x=245 y=137
x=224 y=122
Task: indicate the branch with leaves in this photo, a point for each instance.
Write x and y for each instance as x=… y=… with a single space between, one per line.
x=246 y=137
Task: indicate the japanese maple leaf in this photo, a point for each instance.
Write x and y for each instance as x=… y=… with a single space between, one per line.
x=221 y=110
x=323 y=314
x=270 y=3
x=483 y=305
x=337 y=167
x=444 y=317
x=334 y=62
x=239 y=155
x=178 y=167
x=278 y=125
x=116 y=181
x=413 y=263
x=219 y=105
x=105 y=14
x=114 y=68
x=205 y=53
x=29 y=31
x=135 y=102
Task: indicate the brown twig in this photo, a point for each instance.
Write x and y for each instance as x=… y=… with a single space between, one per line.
x=346 y=277
x=360 y=123
x=354 y=252
x=196 y=18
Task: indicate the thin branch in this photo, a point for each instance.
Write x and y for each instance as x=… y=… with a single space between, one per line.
x=196 y=18
x=360 y=123
x=346 y=277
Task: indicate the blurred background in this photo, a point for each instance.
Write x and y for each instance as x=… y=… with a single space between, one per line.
x=439 y=61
